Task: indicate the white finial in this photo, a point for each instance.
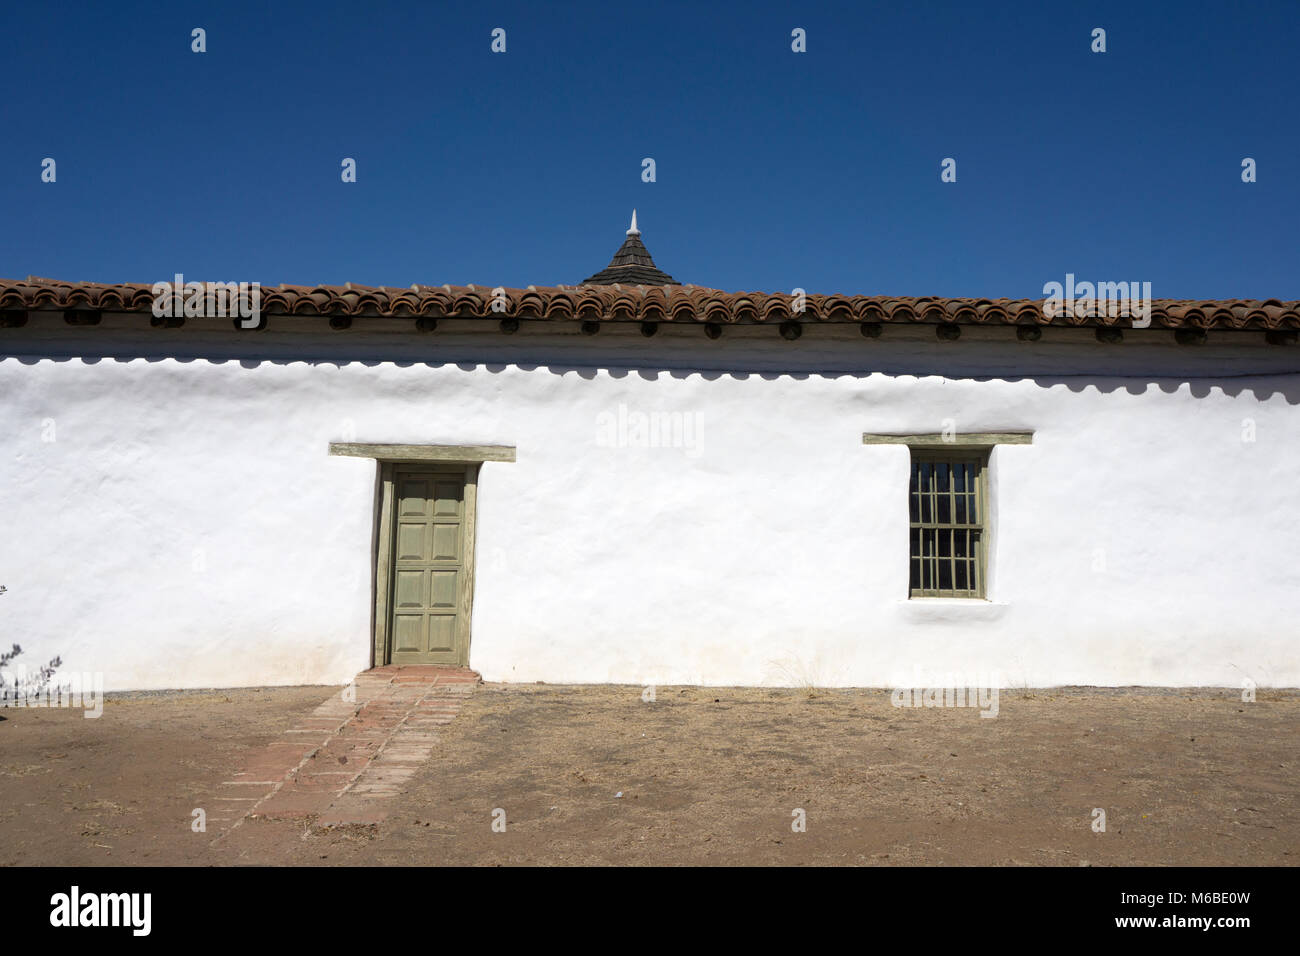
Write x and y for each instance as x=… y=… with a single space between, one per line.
x=634 y=231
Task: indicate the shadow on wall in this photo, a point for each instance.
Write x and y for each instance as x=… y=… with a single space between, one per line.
x=1232 y=370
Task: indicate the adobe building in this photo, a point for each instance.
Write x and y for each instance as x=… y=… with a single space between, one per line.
x=641 y=481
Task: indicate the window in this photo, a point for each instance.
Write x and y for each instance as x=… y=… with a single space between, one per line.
x=948 y=523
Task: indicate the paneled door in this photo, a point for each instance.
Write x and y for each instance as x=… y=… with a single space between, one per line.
x=429 y=606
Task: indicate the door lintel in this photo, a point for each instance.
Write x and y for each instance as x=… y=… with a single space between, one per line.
x=452 y=454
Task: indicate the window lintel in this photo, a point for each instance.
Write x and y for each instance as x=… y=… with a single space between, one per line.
x=940 y=440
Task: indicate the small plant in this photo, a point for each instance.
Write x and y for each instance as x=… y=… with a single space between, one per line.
x=23 y=686
x=796 y=674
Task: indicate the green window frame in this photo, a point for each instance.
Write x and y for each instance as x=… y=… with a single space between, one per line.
x=948 y=523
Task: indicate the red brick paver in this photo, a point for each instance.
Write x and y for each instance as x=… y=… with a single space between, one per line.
x=342 y=763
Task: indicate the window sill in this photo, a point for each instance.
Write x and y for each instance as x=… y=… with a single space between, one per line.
x=955 y=601
x=955 y=609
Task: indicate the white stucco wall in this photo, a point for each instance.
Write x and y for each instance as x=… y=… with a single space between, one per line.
x=179 y=523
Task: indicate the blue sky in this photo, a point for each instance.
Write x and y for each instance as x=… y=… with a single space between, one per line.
x=773 y=169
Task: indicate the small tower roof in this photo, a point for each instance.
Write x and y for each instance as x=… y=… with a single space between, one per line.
x=632 y=264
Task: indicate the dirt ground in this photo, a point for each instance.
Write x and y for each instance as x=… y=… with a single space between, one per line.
x=595 y=775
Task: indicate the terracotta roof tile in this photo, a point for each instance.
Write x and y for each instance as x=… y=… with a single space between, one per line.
x=638 y=303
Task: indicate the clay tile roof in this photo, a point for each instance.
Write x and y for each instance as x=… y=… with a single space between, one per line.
x=631 y=265
x=641 y=300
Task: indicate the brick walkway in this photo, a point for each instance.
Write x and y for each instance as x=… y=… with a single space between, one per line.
x=351 y=754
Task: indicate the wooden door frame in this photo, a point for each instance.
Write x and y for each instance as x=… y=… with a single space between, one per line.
x=382 y=650
x=464 y=460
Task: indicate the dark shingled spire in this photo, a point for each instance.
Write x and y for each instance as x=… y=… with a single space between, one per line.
x=631 y=265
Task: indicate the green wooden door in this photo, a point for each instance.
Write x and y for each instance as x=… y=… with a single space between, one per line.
x=430 y=590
